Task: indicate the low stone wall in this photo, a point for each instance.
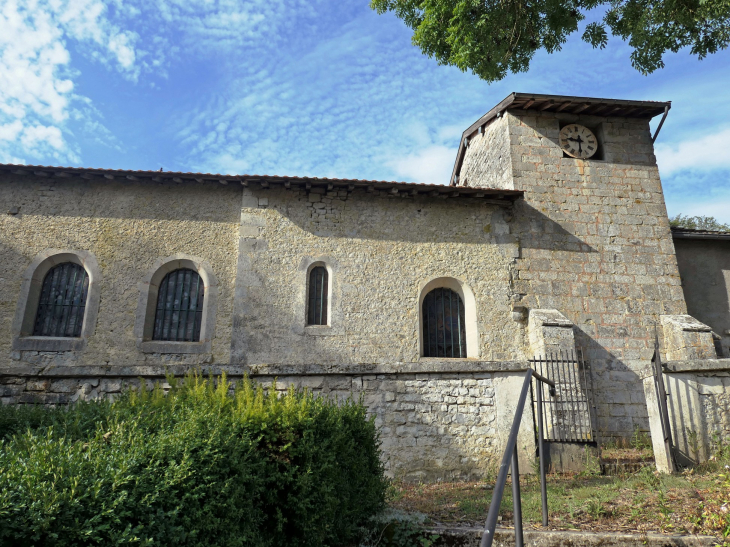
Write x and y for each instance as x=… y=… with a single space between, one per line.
x=437 y=420
x=698 y=402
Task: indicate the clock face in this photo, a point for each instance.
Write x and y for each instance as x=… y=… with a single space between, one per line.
x=578 y=141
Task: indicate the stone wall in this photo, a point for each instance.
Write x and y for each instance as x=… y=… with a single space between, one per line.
x=382 y=250
x=433 y=425
x=490 y=162
x=698 y=401
x=127 y=226
x=594 y=244
x=704 y=266
x=439 y=418
x=686 y=338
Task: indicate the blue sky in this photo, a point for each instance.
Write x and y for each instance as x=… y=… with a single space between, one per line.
x=313 y=88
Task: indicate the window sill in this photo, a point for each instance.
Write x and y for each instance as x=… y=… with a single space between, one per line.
x=48 y=343
x=422 y=358
x=321 y=330
x=164 y=346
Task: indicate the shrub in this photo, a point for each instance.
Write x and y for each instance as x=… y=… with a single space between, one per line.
x=195 y=466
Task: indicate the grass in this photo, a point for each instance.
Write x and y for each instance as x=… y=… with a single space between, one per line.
x=693 y=502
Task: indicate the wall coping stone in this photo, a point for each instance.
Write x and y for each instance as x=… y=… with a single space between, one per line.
x=426 y=366
x=697 y=365
x=686 y=323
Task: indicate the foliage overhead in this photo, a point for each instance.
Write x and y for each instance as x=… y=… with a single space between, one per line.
x=492 y=37
x=698 y=223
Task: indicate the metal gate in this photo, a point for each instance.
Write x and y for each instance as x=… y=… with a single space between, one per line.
x=661 y=395
x=570 y=415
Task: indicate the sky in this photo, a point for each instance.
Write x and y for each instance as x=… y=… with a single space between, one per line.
x=324 y=88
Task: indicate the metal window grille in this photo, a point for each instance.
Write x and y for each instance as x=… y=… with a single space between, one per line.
x=444 y=332
x=62 y=302
x=179 y=307
x=318 y=287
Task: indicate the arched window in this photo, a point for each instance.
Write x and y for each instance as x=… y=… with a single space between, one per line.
x=317 y=296
x=444 y=330
x=62 y=302
x=179 y=311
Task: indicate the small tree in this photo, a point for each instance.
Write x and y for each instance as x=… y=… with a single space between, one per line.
x=698 y=223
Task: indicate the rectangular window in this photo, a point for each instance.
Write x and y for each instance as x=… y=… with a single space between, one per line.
x=317 y=304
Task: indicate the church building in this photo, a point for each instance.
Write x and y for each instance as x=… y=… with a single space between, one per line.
x=550 y=241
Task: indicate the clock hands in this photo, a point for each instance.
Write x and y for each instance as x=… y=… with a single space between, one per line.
x=579 y=141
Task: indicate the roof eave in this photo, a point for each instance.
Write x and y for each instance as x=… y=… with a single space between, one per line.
x=701 y=235
x=498 y=196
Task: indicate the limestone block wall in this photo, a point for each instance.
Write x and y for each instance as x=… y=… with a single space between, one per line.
x=704 y=266
x=433 y=425
x=490 y=161
x=594 y=244
x=127 y=226
x=381 y=250
x=550 y=333
x=698 y=401
x=686 y=338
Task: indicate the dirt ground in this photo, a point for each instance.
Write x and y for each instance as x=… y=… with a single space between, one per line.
x=695 y=501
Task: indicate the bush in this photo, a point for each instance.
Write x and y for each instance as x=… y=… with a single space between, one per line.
x=195 y=466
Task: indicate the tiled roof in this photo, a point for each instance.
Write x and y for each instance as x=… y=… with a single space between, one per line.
x=412 y=188
x=691 y=233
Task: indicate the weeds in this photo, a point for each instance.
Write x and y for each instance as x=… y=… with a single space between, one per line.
x=640 y=440
x=595 y=507
x=591 y=462
x=394 y=528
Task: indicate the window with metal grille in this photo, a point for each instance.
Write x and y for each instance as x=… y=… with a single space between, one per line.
x=62 y=301
x=179 y=307
x=444 y=333
x=317 y=305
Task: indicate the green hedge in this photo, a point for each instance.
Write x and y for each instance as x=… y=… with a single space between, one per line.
x=197 y=466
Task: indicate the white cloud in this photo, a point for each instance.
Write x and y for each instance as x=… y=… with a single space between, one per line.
x=431 y=165
x=36 y=78
x=703 y=153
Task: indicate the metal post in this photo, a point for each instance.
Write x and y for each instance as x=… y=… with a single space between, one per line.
x=541 y=455
x=510 y=453
x=491 y=523
x=517 y=499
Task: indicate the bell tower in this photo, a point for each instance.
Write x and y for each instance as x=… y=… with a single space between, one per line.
x=593 y=233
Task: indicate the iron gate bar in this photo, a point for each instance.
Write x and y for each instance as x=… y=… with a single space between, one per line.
x=577 y=402
x=591 y=404
x=574 y=403
x=572 y=414
x=662 y=400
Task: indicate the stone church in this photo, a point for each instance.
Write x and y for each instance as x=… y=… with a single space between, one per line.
x=428 y=301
